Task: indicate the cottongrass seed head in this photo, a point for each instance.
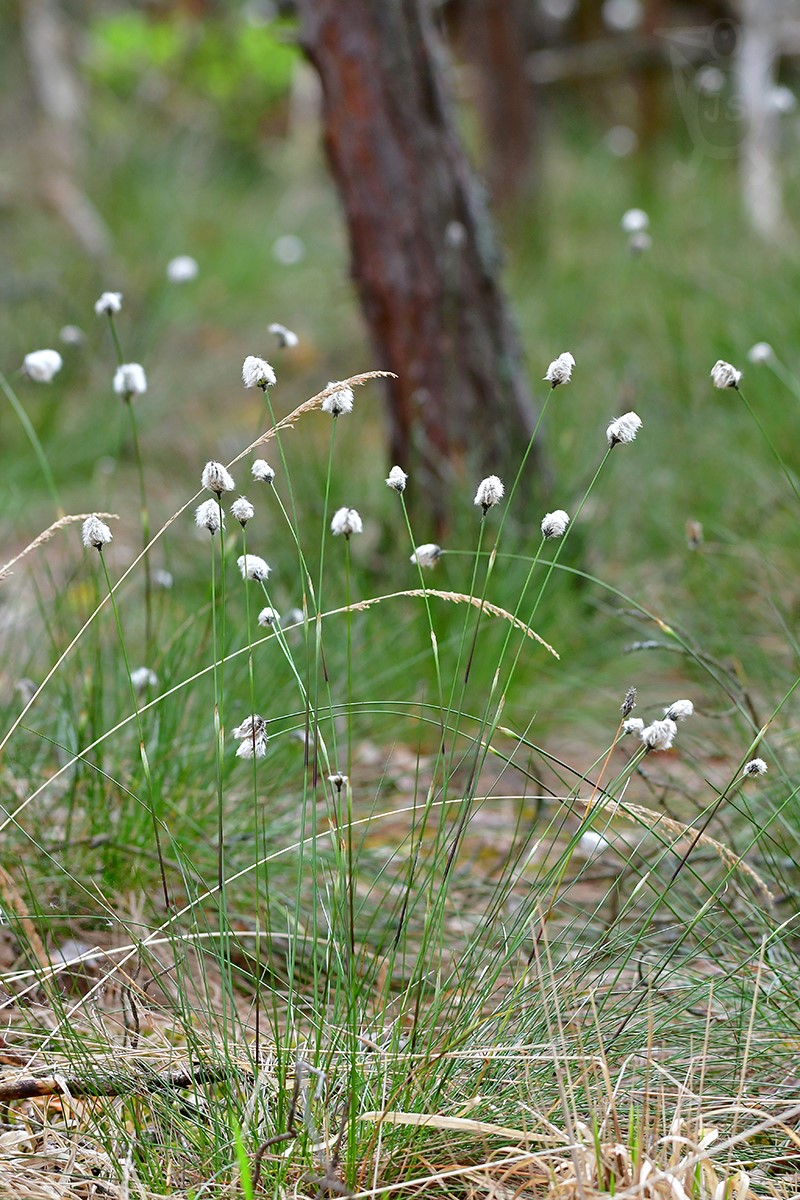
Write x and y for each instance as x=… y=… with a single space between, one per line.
x=397 y=479
x=253 y=567
x=679 y=710
x=490 y=492
x=339 y=401
x=216 y=478
x=554 y=524
x=756 y=766
x=242 y=511
x=182 y=269
x=108 y=304
x=346 y=522
x=623 y=429
x=252 y=736
x=287 y=340
x=633 y=725
x=143 y=678
x=427 y=555
x=95 y=533
x=724 y=375
x=629 y=702
x=256 y=372
x=635 y=220
x=130 y=380
x=261 y=471
x=209 y=515
x=42 y=365
x=659 y=735
x=640 y=243
x=762 y=352
x=269 y=617
x=337 y=780
x=560 y=369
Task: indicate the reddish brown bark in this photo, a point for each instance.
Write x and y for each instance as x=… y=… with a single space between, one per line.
x=423 y=255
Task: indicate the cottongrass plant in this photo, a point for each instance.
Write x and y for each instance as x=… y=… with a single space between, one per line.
x=465 y=962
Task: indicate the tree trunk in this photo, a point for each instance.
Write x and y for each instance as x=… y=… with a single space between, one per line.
x=422 y=249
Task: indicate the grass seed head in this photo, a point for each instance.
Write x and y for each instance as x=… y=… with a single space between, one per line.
x=42 y=365
x=554 y=524
x=242 y=510
x=724 y=375
x=256 y=372
x=182 y=269
x=339 y=401
x=108 y=304
x=95 y=533
x=286 y=338
x=253 y=567
x=208 y=515
x=623 y=429
x=216 y=478
x=660 y=734
x=397 y=479
x=427 y=555
x=346 y=522
x=756 y=766
x=130 y=380
x=560 y=369
x=490 y=492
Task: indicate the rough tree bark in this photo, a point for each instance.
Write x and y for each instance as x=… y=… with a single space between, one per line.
x=422 y=250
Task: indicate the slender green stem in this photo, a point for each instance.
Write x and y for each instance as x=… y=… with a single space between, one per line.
x=144 y=514
x=36 y=445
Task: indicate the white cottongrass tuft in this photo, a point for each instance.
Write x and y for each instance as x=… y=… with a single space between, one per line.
x=633 y=725
x=216 y=478
x=130 y=380
x=427 y=555
x=640 y=243
x=208 y=515
x=397 y=479
x=635 y=220
x=623 y=429
x=256 y=372
x=95 y=533
x=679 y=710
x=295 y=616
x=268 y=617
x=253 y=567
x=182 y=269
x=554 y=524
x=287 y=339
x=42 y=365
x=337 y=780
x=163 y=579
x=339 y=401
x=490 y=492
x=71 y=335
x=762 y=352
x=142 y=678
x=659 y=735
x=756 y=766
x=591 y=843
x=560 y=369
x=724 y=375
x=346 y=522
x=242 y=510
x=108 y=304
x=252 y=736
x=262 y=471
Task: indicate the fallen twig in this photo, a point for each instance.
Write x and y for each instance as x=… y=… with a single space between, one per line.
x=137 y=1081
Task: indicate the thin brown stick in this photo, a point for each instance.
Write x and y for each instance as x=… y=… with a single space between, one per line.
x=142 y=1081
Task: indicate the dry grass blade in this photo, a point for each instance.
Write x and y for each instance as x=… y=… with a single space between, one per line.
x=437 y=1121
x=50 y=532
x=454 y=598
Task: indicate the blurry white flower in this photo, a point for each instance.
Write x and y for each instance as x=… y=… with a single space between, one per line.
x=554 y=524
x=679 y=710
x=130 y=380
x=640 y=243
x=624 y=429
x=560 y=369
x=709 y=80
x=346 y=522
x=427 y=555
x=694 y=533
x=256 y=372
x=242 y=510
x=635 y=220
x=163 y=579
x=659 y=735
x=42 y=365
x=208 y=515
x=782 y=100
x=490 y=492
x=182 y=269
x=288 y=249
x=143 y=677
x=217 y=478
x=762 y=352
x=621 y=141
x=95 y=533
x=252 y=736
x=621 y=16
x=591 y=843
x=262 y=471
x=268 y=617
x=295 y=617
x=286 y=338
x=339 y=401
x=397 y=479
x=337 y=780
x=756 y=766
x=724 y=375
x=253 y=567
x=71 y=335
x=633 y=725
x=108 y=304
